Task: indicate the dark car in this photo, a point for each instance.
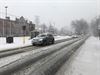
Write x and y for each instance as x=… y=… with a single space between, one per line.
x=43 y=39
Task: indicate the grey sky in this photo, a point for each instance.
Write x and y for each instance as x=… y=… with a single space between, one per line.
x=59 y=11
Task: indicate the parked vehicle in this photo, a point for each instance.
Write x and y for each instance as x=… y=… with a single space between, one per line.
x=43 y=39
x=75 y=36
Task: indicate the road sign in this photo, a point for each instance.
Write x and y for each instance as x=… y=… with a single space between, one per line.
x=24 y=30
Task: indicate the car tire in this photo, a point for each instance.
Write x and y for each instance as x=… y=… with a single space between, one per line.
x=33 y=44
x=52 y=41
x=44 y=42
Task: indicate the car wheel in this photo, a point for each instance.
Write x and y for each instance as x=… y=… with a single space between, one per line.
x=44 y=42
x=52 y=41
x=33 y=44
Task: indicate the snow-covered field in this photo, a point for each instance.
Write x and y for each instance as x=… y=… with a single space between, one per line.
x=18 y=42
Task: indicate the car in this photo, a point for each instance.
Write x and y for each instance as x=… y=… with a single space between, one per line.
x=43 y=39
x=75 y=36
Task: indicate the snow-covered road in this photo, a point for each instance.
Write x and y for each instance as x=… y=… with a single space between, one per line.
x=86 y=61
x=9 y=59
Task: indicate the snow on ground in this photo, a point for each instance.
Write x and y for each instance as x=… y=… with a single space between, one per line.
x=86 y=61
x=7 y=60
x=18 y=42
x=61 y=37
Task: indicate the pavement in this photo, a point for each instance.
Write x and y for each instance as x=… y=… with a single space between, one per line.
x=86 y=61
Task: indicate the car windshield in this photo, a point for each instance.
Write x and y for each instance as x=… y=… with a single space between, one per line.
x=41 y=35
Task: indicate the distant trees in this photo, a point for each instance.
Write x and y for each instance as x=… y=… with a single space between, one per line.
x=50 y=28
x=65 y=31
x=80 y=26
x=95 y=23
x=44 y=28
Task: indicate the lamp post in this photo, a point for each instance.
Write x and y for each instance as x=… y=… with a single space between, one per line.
x=6 y=11
x=24 y=33
x=3 y=29
x=6 y=19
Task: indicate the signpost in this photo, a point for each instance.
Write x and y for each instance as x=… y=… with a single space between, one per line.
x=24 y=31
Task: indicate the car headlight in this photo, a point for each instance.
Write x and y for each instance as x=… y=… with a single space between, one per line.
x=40 y=39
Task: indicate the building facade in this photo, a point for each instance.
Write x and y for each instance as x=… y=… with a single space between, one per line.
x=15 y=27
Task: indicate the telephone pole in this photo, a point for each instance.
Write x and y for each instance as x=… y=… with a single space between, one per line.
x=6 y=20
x=6 y=11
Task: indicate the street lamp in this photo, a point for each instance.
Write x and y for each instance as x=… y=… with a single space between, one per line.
x=6 y=18
x=6 y=11
x=24 y=33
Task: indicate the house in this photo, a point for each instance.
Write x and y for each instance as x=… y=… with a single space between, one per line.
x=15 y=27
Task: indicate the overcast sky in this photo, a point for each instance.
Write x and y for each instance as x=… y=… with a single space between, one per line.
x=60 y=12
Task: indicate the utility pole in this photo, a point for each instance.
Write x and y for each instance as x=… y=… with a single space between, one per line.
x=6 y=19
x=24 y=33
x=37 y=21
x=10 y=28
x=3 y=28
x=6 y=11
x=54 y=27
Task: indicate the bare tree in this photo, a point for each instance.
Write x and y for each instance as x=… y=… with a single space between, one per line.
x=80 y=26
x=51 y=29
x=44 y=28
x=65 y=31
x=95 y=23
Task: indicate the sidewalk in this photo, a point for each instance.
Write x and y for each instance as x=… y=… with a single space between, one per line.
x=86 y=61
